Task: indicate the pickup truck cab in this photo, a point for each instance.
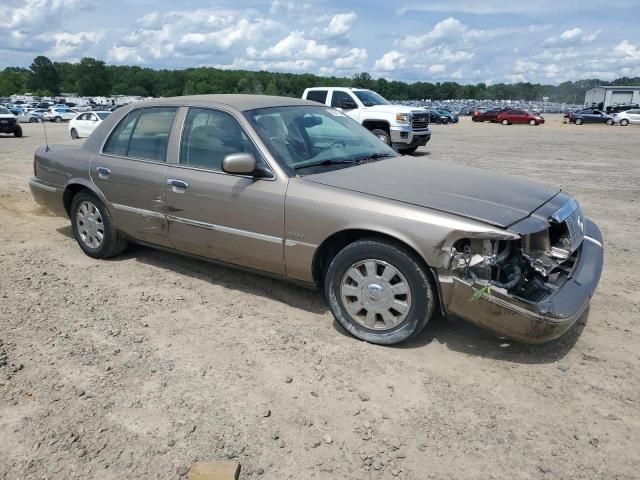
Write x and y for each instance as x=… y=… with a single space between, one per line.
x=402 y=127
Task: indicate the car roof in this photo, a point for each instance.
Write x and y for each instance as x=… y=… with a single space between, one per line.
x=236 y=101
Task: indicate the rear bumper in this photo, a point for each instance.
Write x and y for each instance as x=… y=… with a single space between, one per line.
x=531 y=322
x=47 y=195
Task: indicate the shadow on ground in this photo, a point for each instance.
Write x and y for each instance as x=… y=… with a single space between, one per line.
x=455 y=334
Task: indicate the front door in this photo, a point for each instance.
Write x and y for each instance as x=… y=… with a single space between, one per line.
x=231 y=218
x=131 y=172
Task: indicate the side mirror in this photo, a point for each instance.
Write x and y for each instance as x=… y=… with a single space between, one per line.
x=239 y=164
x=348 y=104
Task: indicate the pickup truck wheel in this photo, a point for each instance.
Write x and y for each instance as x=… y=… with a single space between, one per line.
x=93 y=227
x=407 y=151
x=57 y=119
x=505 y=122
x=578 y=121
x=17 y=132
x=624 y=122
x=382 y=135
x=379 y=291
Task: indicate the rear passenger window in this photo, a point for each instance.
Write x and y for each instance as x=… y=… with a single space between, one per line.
x=211 y=135
x=143 y=134
x=319 y=96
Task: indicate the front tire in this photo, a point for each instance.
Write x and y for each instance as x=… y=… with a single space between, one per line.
x=578 y=121
x=407 y=151
x=532 y=122
x=74 y=134
x=380 y=291
x=610 y=122
x=33 y=120
x=624 y=122
x=93 y=227
x=505 y=122
x=382 y=135
x=17 y=132
x=57 y=119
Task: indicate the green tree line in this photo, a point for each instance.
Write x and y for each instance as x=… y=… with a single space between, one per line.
x=92 y=77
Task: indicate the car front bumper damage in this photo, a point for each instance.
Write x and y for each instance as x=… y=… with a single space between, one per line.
x=526 y=321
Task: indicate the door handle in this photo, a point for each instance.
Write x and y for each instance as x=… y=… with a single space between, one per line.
x=103 y=172
x=178 y=186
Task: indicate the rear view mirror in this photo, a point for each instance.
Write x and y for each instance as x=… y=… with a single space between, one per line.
x=348 y=104
x=239 y=164
x=309 y=121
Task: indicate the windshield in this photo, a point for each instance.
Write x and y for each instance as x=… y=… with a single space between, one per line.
x=4 y=111
x=369 y=98
x=103 y=115
x=319 y=137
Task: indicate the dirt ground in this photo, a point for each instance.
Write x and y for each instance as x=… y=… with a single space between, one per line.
x=135 y=367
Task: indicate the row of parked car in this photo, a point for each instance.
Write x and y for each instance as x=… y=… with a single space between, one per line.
x=622 y=115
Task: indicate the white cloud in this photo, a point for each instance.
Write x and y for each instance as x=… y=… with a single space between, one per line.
x=627 y=50
x=353 y=60
x=340 y=24
x=124 y=55
x=436 y=69
x=68 y=44
x=572 y=36
x=390 y=61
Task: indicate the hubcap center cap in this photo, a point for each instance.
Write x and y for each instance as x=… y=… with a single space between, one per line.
x=374 y=291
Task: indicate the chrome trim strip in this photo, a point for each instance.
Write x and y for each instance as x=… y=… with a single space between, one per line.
x=295 y=243
x=43 y=186
x=594 y=241
x=223 y=229
x=139 y=211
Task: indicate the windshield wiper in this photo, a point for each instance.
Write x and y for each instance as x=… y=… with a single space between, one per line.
x=323 y=163
x=352 y=161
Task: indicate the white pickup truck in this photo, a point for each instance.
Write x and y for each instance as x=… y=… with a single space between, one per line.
x=404 y=128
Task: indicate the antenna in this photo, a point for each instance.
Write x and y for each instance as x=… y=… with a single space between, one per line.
x=46 y=141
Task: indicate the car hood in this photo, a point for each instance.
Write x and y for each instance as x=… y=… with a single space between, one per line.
x=473 y=193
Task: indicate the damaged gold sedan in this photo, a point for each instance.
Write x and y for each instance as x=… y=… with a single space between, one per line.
x=299 y=191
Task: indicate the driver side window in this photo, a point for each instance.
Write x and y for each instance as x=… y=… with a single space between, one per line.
x=211 y=135
x=337 y=97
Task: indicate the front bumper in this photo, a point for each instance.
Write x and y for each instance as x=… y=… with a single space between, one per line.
x=405 y=137
x=8 y=127
x=531 y=322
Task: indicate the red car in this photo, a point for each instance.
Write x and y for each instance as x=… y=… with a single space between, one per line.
x=487 y=115
x=519 y=116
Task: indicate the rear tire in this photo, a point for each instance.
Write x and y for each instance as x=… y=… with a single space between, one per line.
x=624 y=122
x=33 y=120
x=94 y=228
x=578 y=121
x=382 y=135
x=406 y=151
x=17 y=132
x=370 y=315
x=57 y=119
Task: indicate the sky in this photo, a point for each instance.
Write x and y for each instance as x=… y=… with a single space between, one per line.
x=467 y=41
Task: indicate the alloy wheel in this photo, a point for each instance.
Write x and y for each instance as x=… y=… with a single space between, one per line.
x=375 y=294
x=90 y=224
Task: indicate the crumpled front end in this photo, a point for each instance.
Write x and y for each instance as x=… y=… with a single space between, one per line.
x=532 y=288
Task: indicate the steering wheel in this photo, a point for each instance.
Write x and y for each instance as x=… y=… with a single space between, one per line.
x=335 y=143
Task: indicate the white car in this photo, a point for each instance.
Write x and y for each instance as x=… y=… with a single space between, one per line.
x=30 y=116
x=625 y=118
x=58 y=114
x=84 y=124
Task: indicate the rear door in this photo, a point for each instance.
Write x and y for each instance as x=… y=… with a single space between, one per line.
x=131 y=173
x=634 y=116
x=231 y=218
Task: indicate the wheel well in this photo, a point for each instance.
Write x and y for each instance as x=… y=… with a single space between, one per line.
x=373 y=124
x=69 y=193
x=332 y=245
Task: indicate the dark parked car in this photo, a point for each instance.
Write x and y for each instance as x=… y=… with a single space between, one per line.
x=441 y=116
x=590 y=115
x=487 y=115
x=9 y=123
x=508 y=117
